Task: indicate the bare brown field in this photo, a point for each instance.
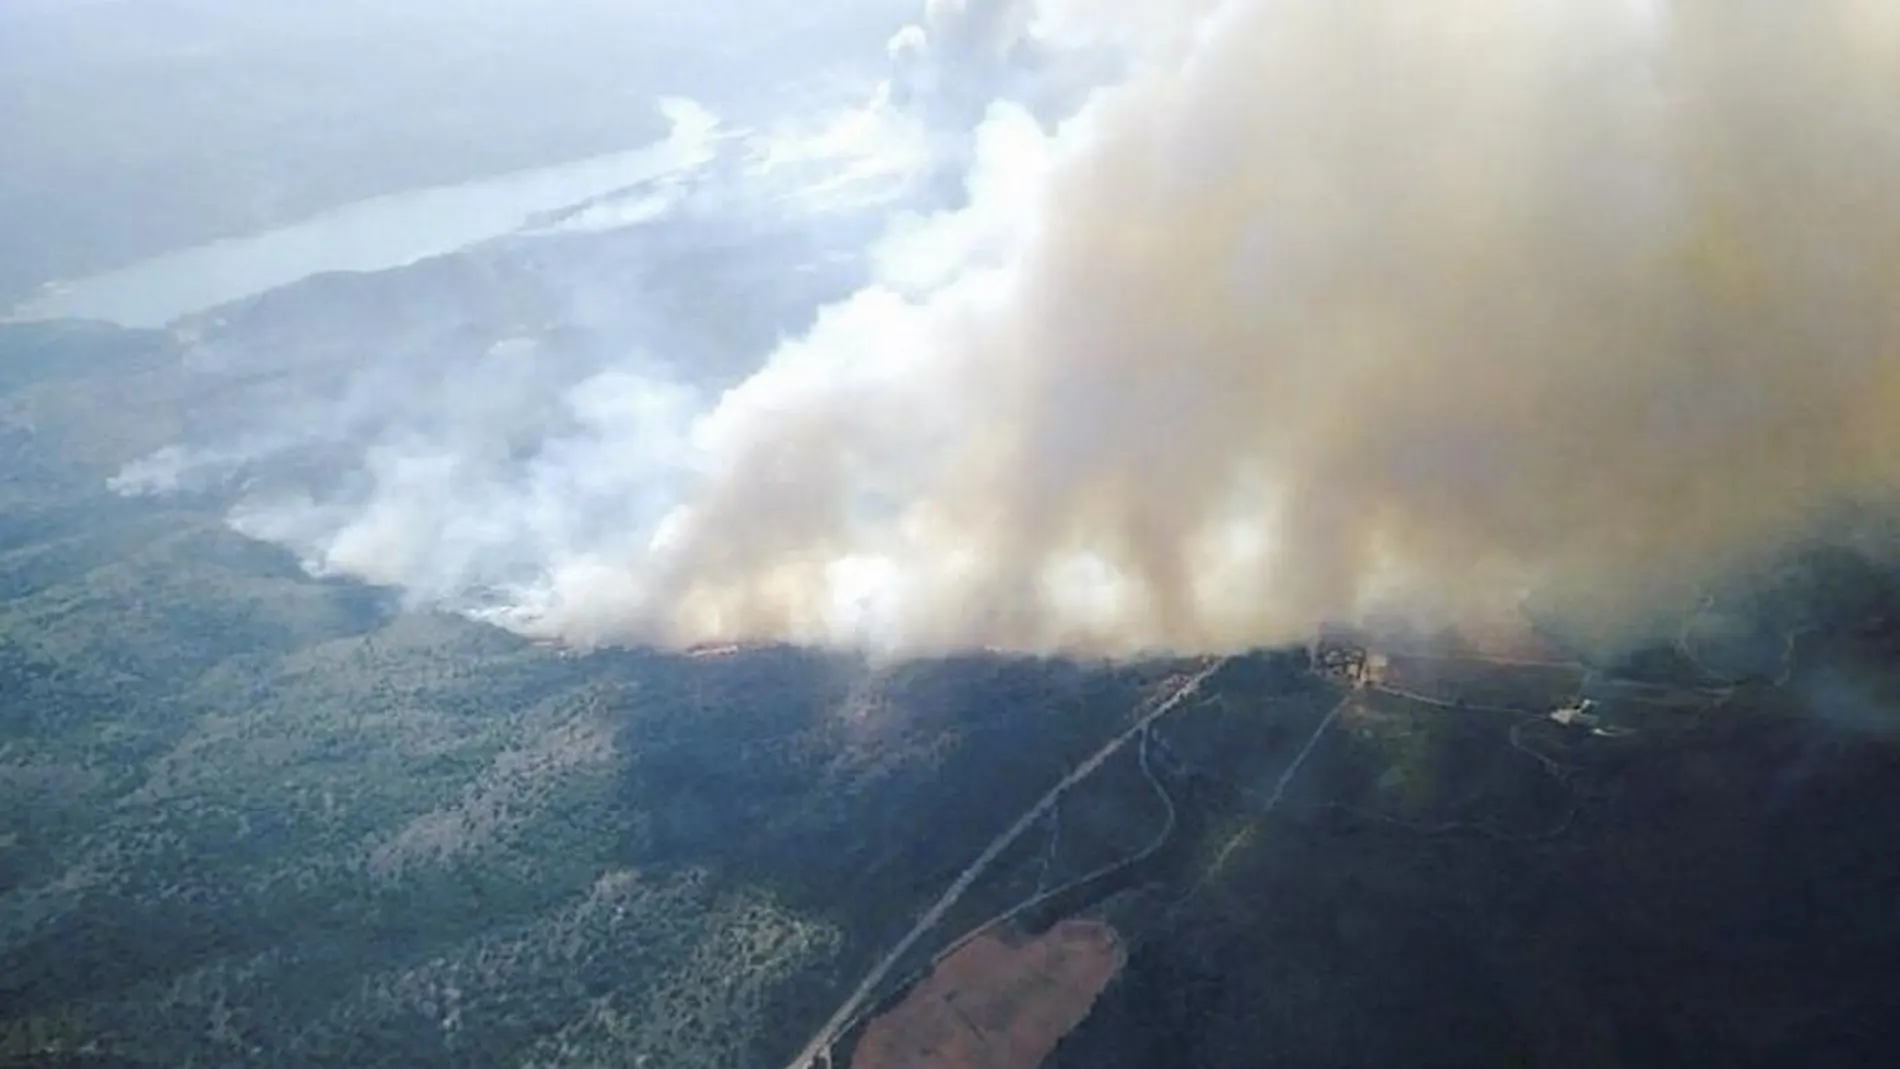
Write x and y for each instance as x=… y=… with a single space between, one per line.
x=999 y=1002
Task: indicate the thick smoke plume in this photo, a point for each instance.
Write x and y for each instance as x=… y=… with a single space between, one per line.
x=1322 y=307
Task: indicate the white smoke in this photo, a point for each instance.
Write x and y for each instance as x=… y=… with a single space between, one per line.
x=1320 y=306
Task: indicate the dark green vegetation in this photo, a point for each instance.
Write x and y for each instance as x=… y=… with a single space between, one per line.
x=252 y=817
x=1700 y=874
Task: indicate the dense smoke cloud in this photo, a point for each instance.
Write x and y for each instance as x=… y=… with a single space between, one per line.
x=1322 y=307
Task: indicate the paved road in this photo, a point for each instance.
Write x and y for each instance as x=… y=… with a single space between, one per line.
x=821 y=1043
x=1037 y=899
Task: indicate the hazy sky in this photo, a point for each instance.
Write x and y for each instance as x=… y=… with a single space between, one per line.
x=137 y=126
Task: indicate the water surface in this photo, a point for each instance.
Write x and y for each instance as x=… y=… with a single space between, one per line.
x=369 y=235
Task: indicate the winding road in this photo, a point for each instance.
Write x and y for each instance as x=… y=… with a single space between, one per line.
x=1041 y=896
x=821 y=1043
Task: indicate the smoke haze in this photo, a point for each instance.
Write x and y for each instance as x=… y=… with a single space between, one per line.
x=1313 y=308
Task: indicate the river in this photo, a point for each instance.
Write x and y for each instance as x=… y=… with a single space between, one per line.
x=369 y=235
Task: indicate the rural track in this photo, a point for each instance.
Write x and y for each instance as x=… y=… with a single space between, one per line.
x=827 y=1035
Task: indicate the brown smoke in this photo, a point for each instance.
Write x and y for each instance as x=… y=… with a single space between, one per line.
x=1332 y=305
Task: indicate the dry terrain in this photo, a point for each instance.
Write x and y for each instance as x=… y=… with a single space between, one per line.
x=999 y=1002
